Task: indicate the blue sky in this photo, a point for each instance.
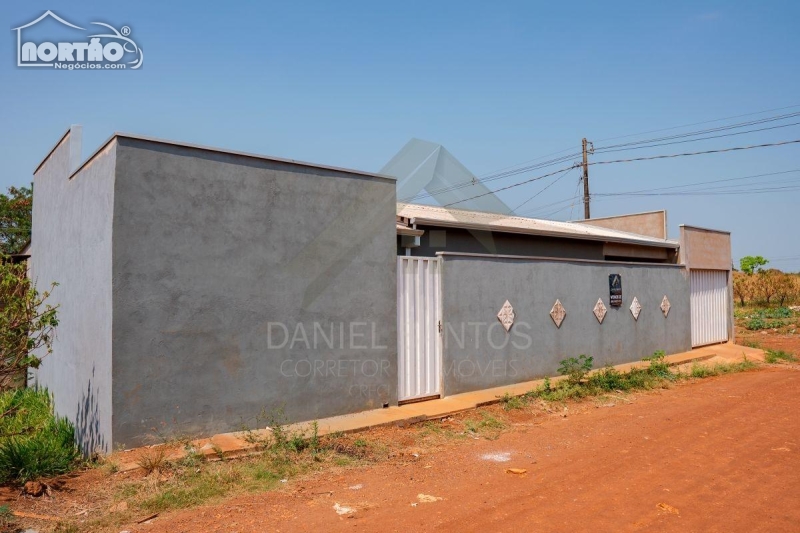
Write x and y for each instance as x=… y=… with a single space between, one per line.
x=500 y=83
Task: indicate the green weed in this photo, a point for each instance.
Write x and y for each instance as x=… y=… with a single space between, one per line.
x=775 y=356
x=512 y=402
x=705 y=371
x=576 y=368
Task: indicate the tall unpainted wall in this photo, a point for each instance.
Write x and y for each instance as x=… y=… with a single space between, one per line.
x=652 y=224
x=71 y=245
x=478 y=353
x=709 y=249
x=244 y=285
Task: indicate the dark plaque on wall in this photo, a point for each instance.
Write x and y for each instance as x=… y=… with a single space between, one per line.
x=615 y=290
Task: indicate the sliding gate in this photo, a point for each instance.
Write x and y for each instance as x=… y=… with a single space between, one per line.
x=709 y=304
x=419 y=348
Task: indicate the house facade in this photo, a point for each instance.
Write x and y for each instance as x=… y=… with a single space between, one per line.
x=200 y=287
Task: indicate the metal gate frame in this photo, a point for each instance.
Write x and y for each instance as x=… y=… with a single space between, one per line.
x=420 y=309
x=709 y=305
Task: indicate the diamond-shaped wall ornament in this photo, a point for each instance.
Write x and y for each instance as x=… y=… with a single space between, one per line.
x=557 y=313
x=665 y=305
x=636 y=308
x=506 y=315
x=600 y=310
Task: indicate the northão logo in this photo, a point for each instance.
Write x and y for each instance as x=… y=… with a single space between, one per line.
x=113 y=49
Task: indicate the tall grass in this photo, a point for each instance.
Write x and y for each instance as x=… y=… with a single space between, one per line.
x=34 y=442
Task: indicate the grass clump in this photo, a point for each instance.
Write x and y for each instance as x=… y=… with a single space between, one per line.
x=6 y=518
x=487 y=426
x=579 y=384
x=285 y=454
x=34 y=443
x=776 y=356
x=512 y=402
x=576 y=368
x=718 y=369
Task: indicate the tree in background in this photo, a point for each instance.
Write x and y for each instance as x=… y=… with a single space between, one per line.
x=750 y=263
x=15 y=219
x=27 y=323
x=785 y=287
x=743 y=287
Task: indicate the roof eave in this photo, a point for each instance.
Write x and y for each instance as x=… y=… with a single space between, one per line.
x=526 y=231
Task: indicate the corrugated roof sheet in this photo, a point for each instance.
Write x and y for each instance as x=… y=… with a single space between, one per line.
x=402 y=229
x=460 y=218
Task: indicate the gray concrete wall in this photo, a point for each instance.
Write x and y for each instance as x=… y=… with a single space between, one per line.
x=441 y=239
x=71 y=245
x=475 y=288
x=213 y=255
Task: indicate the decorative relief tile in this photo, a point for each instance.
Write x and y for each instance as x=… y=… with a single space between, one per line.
x=506 y=315
x=636 y=308
x=665 y=305
x=557 y=313
x=600 y=310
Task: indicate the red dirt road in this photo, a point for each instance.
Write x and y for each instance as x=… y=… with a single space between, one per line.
x=722 y=453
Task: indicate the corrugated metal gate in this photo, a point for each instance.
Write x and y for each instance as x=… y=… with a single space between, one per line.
x=418 y=328
x=709 y=306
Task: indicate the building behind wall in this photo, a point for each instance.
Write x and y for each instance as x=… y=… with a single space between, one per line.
x=477 y=265
x=200 y=287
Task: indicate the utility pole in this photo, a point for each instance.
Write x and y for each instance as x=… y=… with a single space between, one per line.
x=586 y=152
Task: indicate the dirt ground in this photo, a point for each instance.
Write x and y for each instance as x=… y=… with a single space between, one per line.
x=717 y=454
x=714 y=455
x=769 y=340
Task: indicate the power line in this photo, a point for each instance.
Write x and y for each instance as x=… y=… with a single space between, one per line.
x=699 y=123
x=511 y=186
x=651 y=131
x=703 y=132
x=608 y=196
x=566 y=172
x=490 y=178
x=759 y=190
x=701 y=138
x=717 y=151
x=753 y=176
x=685 y=154
x=503 y=173
x=574 y=197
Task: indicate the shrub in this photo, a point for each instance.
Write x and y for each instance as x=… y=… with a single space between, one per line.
x=608 y=379
x=658 y=365
x=26 y=323
x=512 y=402
x=23 y=411
x=778 y=312
x=49 y=451
x=757 y=323
x=33 y=441
x=153 y=460
x=576 y=368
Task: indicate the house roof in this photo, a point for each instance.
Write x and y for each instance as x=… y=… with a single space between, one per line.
x=154 y=140
x=402 y=229
x=478 y=220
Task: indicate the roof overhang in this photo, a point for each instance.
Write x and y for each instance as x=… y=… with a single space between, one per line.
x=406 y=230
x=502 y=228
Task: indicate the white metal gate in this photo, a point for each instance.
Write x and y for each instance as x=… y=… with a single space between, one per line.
x=418 y=325
x=709 y=306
